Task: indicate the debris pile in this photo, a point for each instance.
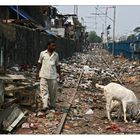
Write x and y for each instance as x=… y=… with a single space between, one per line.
x=87 y=114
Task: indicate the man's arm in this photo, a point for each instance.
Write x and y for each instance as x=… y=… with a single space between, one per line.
x=58 y=69
x=37 y=71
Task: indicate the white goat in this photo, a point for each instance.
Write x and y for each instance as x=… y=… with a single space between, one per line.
x=114 y=91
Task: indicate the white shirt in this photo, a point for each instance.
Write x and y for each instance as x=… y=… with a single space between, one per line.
x=49 y=63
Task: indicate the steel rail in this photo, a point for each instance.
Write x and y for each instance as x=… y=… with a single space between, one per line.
x=62 y=122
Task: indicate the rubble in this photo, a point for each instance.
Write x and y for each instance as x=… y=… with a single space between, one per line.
x=87 y=114
x=10 y=117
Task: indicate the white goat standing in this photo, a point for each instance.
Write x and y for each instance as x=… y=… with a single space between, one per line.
x=114 y=91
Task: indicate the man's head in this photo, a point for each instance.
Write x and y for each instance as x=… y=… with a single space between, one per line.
x=51 y=46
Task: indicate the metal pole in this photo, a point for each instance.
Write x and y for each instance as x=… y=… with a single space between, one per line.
x=106 y=38
x=95 y=19
x=114 y=22
x=106 y=22
x=103 y=28
x=17 y=12
x=1 y=58
x=76 y=9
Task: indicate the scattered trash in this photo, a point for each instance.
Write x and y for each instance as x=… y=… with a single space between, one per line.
x=15 y=68
x=75 y=124
x=113 y=127
x=134 y=121
x=88 y=100
x=34 y=125
x=90 y=111
x=25 y=125
x=41 y=114
x=76 y=100
x=86 y=69
x=24 y=131
x=66 y=126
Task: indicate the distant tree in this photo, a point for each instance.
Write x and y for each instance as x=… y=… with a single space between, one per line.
x=131 y=37
x=93 y=37
x=137 y=29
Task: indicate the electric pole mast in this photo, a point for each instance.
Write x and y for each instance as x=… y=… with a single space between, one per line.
x=76 y=10
x=114 y=23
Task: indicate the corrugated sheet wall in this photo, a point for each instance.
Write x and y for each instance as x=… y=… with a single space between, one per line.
x=28 y=45
x=124 y=48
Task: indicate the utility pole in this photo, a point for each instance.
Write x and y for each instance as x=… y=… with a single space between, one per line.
x=76 y=10
x=103 y=28
x=82 y=20
x=106 y=25
x=113 y=20
x=96 y=19
x=114 y=23
x=97 y=14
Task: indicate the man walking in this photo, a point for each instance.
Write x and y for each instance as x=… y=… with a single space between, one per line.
x=47 y=70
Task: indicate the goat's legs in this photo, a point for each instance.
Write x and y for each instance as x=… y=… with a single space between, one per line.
x=120 y=111
x=108 y=108
x=124 y=111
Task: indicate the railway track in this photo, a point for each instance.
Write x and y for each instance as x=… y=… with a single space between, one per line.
x=94 y=58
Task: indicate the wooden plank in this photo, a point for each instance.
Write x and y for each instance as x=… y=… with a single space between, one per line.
x=10 y=128
x=14 y=89
x=9 y=102
x=12 y=77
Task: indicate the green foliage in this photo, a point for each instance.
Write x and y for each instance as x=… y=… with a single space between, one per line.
x=137 y=29
x=93 y=37
x=131 y=37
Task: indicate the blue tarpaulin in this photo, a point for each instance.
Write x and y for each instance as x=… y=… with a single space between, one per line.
x=27 y=17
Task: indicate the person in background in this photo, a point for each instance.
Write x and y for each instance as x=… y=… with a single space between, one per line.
x=47 y=70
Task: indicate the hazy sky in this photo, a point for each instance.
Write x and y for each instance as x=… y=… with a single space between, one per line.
x=127 y=17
